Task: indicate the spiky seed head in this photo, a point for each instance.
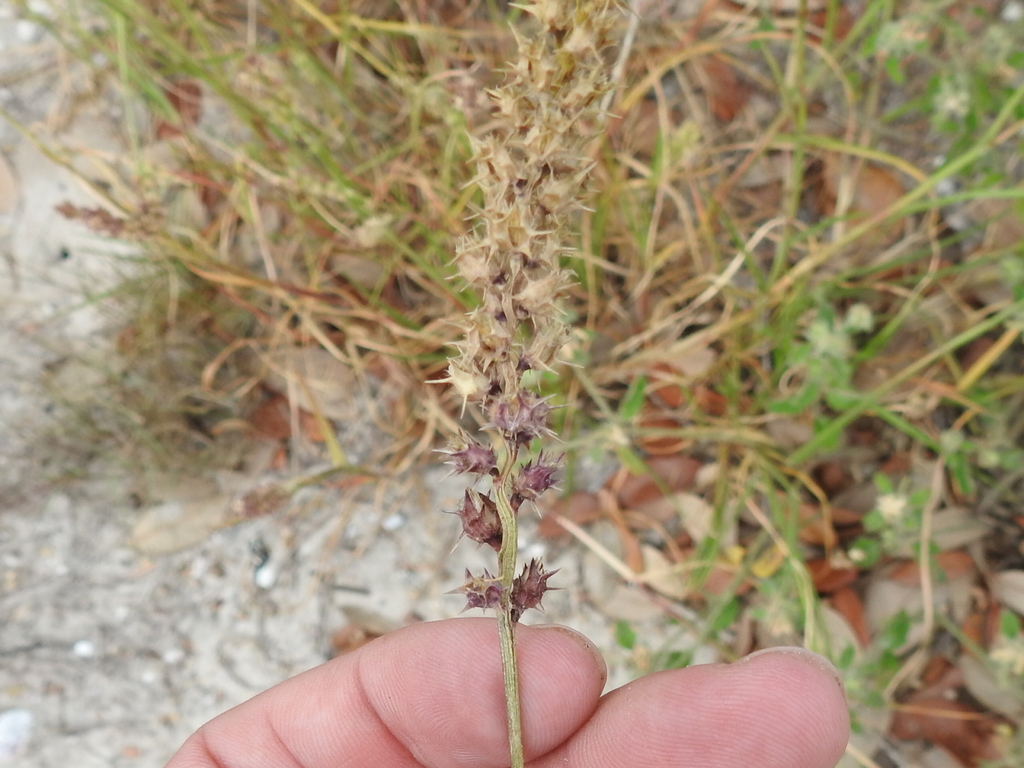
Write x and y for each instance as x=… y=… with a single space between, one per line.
x=529 y=587
x=467 y=456
x=481 y=591
x=521 y=418
x=535 y=477
x=480 y=520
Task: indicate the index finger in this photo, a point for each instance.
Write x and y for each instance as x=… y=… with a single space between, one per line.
x=427 y=695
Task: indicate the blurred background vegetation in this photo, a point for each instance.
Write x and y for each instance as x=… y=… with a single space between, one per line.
x=797 y=324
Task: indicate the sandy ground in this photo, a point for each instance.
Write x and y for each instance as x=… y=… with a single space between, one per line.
x=111 y=656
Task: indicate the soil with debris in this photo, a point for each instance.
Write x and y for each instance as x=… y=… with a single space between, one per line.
x=128 y=618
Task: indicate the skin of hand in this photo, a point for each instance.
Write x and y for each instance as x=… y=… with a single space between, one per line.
x=431 y=695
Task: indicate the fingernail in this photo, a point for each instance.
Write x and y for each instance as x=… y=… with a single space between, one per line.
x=810 y=657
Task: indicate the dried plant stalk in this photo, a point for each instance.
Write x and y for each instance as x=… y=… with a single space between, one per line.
x=532 y=170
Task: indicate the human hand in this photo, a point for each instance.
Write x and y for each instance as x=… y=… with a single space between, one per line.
x=431 y=695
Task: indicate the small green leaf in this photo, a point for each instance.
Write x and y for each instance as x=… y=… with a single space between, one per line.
x=865 y=552
x=894 y=69
x=846 y=657
x=1009 y=624
x=634 y=399
x=631 y=461
x=726 y=616
x=894 y=634
x=625 y=636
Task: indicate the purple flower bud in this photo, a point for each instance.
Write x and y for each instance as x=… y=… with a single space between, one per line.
x=529 y=587
x=535 y=477
x=481 y=591
x=471 y=458
x=480 y=520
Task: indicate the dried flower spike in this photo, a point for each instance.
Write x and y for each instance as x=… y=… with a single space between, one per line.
x=532 y=169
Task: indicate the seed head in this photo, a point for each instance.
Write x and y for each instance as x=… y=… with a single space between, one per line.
x=480 y=521
x=481 y=591
x=467 y=456
x=521 y=418
x=529 y=587
x=535 y=477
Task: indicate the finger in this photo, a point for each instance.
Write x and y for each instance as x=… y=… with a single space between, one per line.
x=780 y=709
x=430 y=695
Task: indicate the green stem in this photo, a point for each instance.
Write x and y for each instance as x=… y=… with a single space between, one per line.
x=506 y=627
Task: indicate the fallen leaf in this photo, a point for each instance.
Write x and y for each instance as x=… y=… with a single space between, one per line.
x=270 y=420
x=833 y=476
x=662 y=387
x=884 y=598
x=580 y=507
x=674 y=473
x=815 y=528
x=725 y=92
x=317 y=380
x=768 y=563
x=955 y=727
x=951 y=565
x=874 y=189
x=983 y=685
x=363 y=626
x=175 y=525
x=843 y=23
x=709 y=401
x=653 y=420
x=310 y=426
x=847 y=603
x=660 y=574
x=1008 y=589
x=603 y=585
x=186 y=98
x=828 y=578
x=842 y=639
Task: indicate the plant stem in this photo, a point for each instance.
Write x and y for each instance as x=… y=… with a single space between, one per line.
x=510 y=673
x=506 y=626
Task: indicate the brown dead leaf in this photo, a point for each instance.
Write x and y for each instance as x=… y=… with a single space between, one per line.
x=955 y=564
x=668 y=393
x=362 y=627
x=828 y=578
x=725 y=92
x=270 y=419
x=936 y=674
x=816 y=528
x=848 y=604
x=580 y=507
x=638 y=132
x=843 y=24
x=833 y=477
x=675 y=473
x=874 y=189
x=653 y=420
x=186 y=98
x=709 y=401
x=310 y=426
x=957 y=728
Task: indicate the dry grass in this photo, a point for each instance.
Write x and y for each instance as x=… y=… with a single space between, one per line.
x=801 y=267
